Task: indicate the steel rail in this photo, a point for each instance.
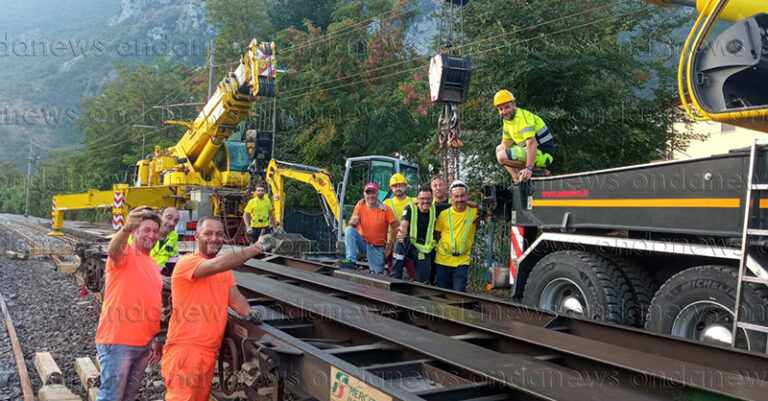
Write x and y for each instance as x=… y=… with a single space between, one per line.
x=21 y=365
x=26 y=239
x=580 y=345
x=37 y=228
x=513 y=375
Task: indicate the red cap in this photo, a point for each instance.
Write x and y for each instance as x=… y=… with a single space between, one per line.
x=371 y=187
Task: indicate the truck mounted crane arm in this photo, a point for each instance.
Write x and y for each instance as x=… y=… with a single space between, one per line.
x=725 y=79
x=230 y=104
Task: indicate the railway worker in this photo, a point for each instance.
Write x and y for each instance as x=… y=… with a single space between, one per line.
x=456 y=228
x=439 y=190
x=202 y=288
x=259 y=214
x=398 y=202
x=167 y=244
x=416 y=236
x=130 y=313
x=366 y=231
x=526 y=144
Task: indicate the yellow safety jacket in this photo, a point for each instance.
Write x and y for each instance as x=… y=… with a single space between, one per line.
x=163 y=250
x=429 y=240
x=259 y=211
x=526 y=125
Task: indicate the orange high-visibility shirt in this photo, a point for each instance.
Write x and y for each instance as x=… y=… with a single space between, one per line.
x=131 y=311
x=199 y=313
x=374 y=223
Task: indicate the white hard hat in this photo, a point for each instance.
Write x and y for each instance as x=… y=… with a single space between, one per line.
x=458 y=184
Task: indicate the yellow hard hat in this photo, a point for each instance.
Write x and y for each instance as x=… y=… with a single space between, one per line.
x=397 y=179
x=503 y=96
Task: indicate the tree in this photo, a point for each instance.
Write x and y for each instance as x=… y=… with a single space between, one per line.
x=593 y=77
x=355 y=89
x=237 y=23
x=286 y=14
x=112 y=142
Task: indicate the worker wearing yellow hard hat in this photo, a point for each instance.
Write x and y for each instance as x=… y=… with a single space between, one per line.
x=527 y=143
x=399 y=200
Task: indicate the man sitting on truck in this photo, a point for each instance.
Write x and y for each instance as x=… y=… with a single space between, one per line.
x=259 y=214
x=366 y=231
x=526 y=144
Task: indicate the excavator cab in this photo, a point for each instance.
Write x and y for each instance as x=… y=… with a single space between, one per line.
x=725 y=78
x=377 y=169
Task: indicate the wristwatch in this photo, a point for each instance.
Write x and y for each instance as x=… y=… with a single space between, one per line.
x=529 y=167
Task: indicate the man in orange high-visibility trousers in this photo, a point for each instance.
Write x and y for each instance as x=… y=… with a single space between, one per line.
x=202 y=287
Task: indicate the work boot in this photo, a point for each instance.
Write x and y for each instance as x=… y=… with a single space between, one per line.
x=347 y=264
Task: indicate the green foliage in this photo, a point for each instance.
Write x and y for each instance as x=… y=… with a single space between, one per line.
x=286 y=14
x=348 y=91
x=112 y=143
x=237 y=23
x=353 y=86
x=12 y=194
x=593 y=78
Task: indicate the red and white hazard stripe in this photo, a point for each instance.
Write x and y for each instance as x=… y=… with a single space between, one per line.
x=117 y=221
x=267 y=69
x=53 y=209
x=518 y=246
x=118 y=200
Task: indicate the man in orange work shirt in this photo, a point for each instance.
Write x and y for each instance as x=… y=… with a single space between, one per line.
x=202 y=287
x=130 y=313
x=366 y=231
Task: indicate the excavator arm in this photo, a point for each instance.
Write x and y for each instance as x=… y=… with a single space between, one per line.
x=319 y=179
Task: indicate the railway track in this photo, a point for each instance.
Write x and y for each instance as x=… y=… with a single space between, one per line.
x=408 y=341
x=28 y=393
x=401 y=340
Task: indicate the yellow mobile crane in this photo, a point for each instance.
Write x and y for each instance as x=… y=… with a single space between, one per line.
x=203 y=173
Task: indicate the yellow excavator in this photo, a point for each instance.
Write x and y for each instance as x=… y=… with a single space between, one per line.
x=336 y=201
x=203 y=174
x=725 y=78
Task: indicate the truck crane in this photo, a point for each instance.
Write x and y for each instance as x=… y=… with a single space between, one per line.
x=677 y=247
x=203 y=174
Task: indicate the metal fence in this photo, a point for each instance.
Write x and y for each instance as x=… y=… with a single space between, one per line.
x=491 y=246
x=311 y=224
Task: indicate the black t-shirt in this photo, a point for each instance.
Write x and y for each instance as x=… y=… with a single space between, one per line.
x=423 y=221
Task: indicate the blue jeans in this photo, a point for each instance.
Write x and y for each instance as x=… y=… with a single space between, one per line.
x=452 y=278
x=404 y=250
x=356 y=243
x=122 y=368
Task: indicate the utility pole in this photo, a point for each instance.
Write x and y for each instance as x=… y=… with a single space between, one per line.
x=211 y=59
x=143 y=134
x=30 y=162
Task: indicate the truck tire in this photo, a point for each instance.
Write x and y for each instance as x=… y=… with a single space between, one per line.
x=580 y=283
x=642 y=285
x=697 y=304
